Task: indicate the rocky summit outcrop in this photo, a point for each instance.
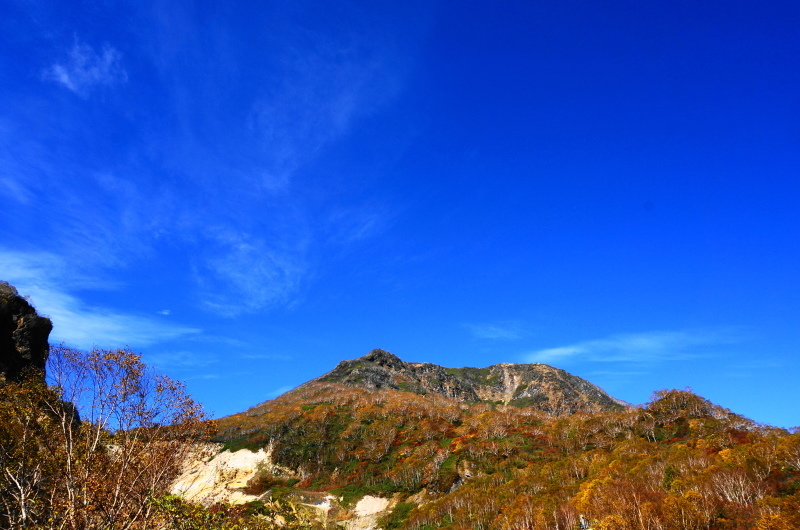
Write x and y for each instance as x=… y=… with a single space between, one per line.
x=23 y=336
x=526 y=385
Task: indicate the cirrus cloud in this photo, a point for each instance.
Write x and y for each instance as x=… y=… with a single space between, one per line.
x=495 y=331
x=49 y=281
x=86 y=69
x=649 y=346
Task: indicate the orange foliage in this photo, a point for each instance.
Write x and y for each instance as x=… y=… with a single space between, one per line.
x=679 y=462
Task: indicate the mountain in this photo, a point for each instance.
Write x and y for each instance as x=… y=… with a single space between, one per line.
x=523 y=385
x=332 y=401
x=412 y=441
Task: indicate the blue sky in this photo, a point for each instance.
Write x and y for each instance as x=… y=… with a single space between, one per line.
x=248 y=193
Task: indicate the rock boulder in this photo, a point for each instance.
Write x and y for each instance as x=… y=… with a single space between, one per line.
x=23 y=336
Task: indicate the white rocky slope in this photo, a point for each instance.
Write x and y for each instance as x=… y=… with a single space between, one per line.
x=367 y=513
x=211 y=476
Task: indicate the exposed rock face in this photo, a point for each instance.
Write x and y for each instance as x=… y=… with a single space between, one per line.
x=367 y=513
x=23 y=336
x=210 y=476
x=536 y=385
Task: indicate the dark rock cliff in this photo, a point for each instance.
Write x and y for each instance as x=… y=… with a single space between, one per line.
x=23 y=336
x=525 y=385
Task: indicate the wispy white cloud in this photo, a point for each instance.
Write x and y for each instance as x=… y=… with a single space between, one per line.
x=97 y=218
x=219 y=186
x=242 y=273
x=14 y=189
x=206 y=376
x=258 y=238
x=494 y=331
x=38 y=270
x=85 y=69
x=638 y=347
x=77 y=324
x=347 y=226
x=180 y=359
x=49 y=283
x=325 y=84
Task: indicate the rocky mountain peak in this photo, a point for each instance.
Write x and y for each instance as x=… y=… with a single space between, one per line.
x=526 y=385
x=385 y=359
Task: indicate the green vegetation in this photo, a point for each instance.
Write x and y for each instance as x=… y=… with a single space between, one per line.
x=253 y=445
x=449 y=464
x=679 y=462
x=173 y=513
x=478 y=376
x=527 y=402
x=398 y=516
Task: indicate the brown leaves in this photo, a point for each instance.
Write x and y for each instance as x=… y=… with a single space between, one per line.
x=677 y=463
x=98 y=472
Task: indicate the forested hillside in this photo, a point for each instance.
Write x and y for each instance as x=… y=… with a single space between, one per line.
x=678 y=462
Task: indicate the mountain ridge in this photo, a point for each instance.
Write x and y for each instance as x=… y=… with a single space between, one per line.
x=536 y=385
x=438 y=460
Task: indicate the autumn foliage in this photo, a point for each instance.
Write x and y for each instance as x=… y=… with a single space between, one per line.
x=98 y=445
x=678 y=462
x=93 y=447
